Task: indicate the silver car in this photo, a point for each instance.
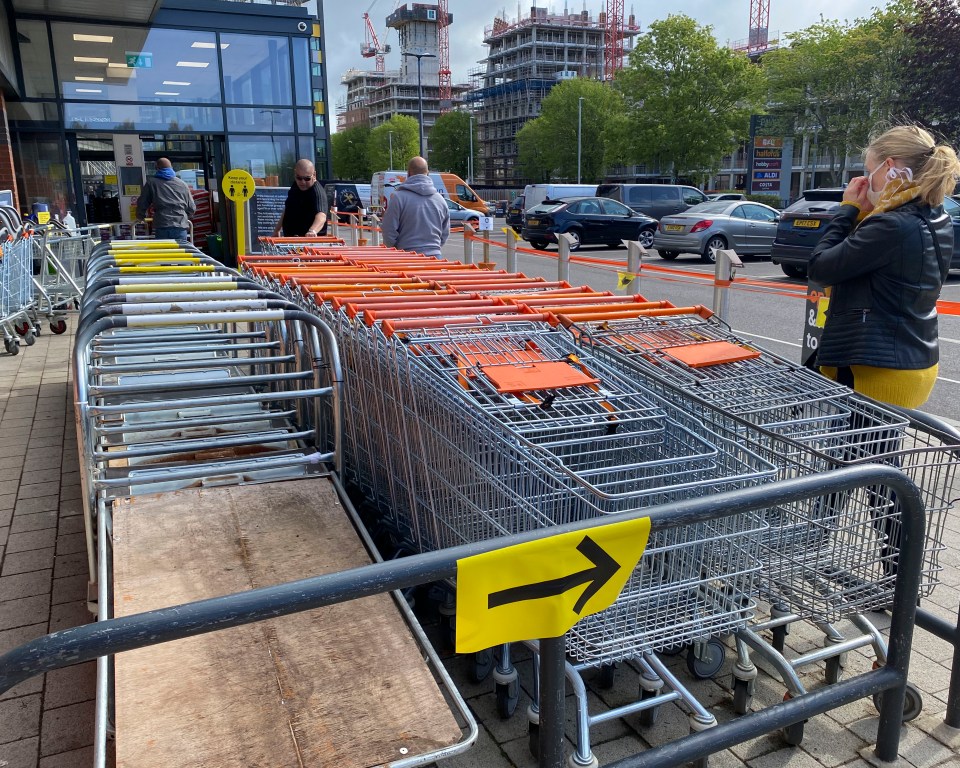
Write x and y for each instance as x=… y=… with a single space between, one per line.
x=460 y=214
x=747 y=228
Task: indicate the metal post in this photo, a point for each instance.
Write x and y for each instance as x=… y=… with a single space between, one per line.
x=390 y=137
x=334 y=222
x=470 y=156
x=552 y=688
x=486 y=251
x=563 y=260
x=727 y=264
x=419 y=56
x=579 y=133
x=635 y=252
x=467 y=243
x=511 y=238
x=374 y=229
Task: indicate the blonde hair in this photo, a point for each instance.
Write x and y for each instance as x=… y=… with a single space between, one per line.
x=935 y=166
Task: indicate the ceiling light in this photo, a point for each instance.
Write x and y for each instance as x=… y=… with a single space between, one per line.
x=89 y=79
x=93 y=38
x=89 y=90
x=115 y=64
x=197 y=64
x=199 y=44
x=166 y=93
x=90 y=60
x=174 y=82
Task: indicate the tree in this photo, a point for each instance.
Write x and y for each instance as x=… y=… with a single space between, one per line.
x=450 y=144
x=688 y=100
x=547 y=146
x=405 y=142
x=349 y=154
x=930 y=68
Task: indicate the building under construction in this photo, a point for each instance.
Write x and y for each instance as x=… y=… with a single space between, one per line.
x=526 y=58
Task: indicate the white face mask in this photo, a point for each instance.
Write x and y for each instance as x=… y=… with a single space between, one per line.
x=902 y=175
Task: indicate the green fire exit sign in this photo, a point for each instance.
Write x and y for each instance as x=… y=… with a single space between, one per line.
x=139 y=60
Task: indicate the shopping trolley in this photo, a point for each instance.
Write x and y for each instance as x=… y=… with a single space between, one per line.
x=17 y=288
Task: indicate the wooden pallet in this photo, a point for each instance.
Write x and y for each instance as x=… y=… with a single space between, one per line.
x=343 y=685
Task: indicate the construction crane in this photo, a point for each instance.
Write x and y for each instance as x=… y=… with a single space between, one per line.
x=613 y=39
x=371 y=43
x=759 y=36
x=443 y=46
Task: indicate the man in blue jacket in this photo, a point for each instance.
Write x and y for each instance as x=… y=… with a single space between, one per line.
x=417 y=218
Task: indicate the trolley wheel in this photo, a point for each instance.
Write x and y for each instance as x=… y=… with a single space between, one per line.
x=672 y=650
x=58 y=326
x=508 y=694
x=833 y=671
x=533 y=740
x=608 y=673
x=741 y=696
x=713 y=656
x=12 y=346
x=912 y=703
x=648 y=717
x=29 y=339
x=482 y=665
x=22 y=329
x=779 y=638
x=793 y=734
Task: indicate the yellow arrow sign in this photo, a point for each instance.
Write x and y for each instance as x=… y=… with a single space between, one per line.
x=625 y=278
x=542 y=588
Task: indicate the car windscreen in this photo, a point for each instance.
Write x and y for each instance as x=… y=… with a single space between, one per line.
x=712 y=206
x=813 y=206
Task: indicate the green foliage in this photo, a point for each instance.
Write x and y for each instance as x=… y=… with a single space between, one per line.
x=688 y=100
x=450 y=144
x=772 y=200
x=348 y=151
x=406 y=143
x=547 y=146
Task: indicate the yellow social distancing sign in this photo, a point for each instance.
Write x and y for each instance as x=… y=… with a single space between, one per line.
x=542 y=588
x=625 y=278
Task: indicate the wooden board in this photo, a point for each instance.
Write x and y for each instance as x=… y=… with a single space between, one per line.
x=343 y=685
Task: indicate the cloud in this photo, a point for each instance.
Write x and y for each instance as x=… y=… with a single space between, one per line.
x=344 y=27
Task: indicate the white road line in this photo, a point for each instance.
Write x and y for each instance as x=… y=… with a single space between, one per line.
x=949 y=381
x=768 y=338
x=951 y=341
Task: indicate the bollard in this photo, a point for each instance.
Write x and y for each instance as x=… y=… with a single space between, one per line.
x=511 y=238
x=467 y=243
x=354 y=230
x=374 y=229
x=727 y=265
x=334 y=222
x=635 y=254
x=486 y=251
x=563 y=260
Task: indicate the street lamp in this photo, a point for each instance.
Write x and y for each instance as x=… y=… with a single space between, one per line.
x=390 y=136
x=470 y=156
x=579 y=132
x=419 y=56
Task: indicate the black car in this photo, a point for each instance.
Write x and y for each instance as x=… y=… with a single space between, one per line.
x=588 y=220
x=514 y=217
x=500 y=208
x=800 y=228
x=951 y=206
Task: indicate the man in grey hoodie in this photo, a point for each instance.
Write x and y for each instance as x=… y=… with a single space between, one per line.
x=172 y=202
x=417 y=218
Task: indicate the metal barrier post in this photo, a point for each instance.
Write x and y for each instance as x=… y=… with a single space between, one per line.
x=468 y=243
x=635 y=253
x=354 y=230
x=552 y=689
x=486 y=251
x=727 y=265
x=334 y=222
x=564 y=241
x=511 y=238
x=374 y=229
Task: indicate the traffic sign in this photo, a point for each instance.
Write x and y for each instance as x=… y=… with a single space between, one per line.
x=238 y=185
x=542 y=588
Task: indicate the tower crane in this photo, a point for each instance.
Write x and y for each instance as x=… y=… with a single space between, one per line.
x=371 y=43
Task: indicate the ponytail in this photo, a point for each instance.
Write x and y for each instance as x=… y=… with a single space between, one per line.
x=934 y=166
x=938 y=175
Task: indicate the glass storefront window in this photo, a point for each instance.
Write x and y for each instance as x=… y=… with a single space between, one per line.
x=260 y=120
x=265 y=157
x=32 y=113
x=301 y=71
x=304 y=121
x=43 y=173
x=37 y=63
x=107 y=63
x=305 y=149
x=256 y=69
x=142 y=117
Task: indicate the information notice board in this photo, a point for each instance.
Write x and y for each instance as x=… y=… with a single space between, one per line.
x=265 y=209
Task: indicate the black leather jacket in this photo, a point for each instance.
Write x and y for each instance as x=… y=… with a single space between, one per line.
x=886 y=276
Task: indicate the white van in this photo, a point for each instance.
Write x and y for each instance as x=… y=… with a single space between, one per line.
x=534 y=194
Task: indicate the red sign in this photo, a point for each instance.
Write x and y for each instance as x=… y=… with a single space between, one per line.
x=767 y=141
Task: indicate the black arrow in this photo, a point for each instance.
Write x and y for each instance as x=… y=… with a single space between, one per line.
x=604 y=568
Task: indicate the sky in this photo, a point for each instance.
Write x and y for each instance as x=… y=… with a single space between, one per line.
x=344 y=27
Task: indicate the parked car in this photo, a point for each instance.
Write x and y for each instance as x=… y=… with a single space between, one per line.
x=747 y=228
x=514 y=217
x=951 y=205
x=800 y=228
x=656 y=200
x=588 y=220
x=534 y=194
x=500 y=208
x=459 y=214
x=726 y=196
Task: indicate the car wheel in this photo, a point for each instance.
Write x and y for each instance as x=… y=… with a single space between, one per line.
x=713 y=245
x=575 y=240
x=646 y=236
x=795 y=271
x=668 y=255
x=540 y=245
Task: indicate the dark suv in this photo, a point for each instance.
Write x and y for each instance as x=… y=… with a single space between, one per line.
x=587 y=220
x=514 y=217
x=801 y=226
x=656 y=200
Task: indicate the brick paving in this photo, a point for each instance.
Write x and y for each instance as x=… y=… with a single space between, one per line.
x=47 y=722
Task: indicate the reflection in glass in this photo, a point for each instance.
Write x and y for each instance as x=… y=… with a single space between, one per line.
x=33 y=112
x=43 y=173
x=301 y=71
x=256 y=69
x=37 y=64
x=158 y=65
x=304 y=121
x=142 y=117
x=260 y=120
x=270 y=158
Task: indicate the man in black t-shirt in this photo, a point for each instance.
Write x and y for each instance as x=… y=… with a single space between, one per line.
x=305 y=212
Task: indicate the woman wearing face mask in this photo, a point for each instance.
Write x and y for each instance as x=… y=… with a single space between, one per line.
x=885 y=255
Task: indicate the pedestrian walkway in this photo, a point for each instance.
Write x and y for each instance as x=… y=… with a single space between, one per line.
x=47 y=722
